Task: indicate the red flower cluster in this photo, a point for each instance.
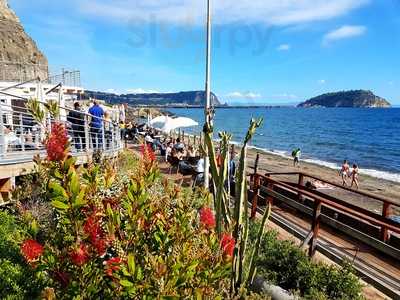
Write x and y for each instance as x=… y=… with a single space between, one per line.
x=207 y=218
x=93 y=229
x=147 y=152
x=57 y=143
x=112 y=265
x=31 y=250
x=80 y=255
x=227 y=244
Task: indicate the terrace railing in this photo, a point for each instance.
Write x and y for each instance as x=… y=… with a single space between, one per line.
x=22 y=137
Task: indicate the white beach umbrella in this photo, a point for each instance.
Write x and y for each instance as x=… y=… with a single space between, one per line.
x=159 y=119
x=182 y=122
x=172 y=124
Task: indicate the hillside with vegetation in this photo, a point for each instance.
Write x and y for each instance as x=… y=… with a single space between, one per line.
x=190 y=98
x=356 y=98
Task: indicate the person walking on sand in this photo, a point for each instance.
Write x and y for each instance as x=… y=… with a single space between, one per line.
x=296 y=153
x=345 y=172
x=354 y=176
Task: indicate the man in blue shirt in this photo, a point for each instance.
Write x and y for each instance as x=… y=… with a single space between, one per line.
x=96 y=125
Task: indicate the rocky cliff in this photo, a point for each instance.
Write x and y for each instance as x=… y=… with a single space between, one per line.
x=358 y=98
x=20 y=58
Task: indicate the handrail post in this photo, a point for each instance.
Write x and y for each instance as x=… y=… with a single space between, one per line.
x=87 y=135
x=315 y=226
x=103 y=129
x=300 y=184
x=22 y=132
x=2 y=137
x=256 y=191
x=384 y=230
x=256 y=163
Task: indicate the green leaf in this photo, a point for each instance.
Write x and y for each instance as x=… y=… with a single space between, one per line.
x=57 y=191
x=126 y=283
x=131 y=264
x=74 y=183
x=139 y=274
x=60 y=205
x=80 y=199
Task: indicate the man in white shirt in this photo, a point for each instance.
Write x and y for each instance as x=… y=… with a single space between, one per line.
x=200 y=166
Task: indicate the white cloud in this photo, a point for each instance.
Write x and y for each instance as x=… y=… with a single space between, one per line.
x=271 y=12
x=321 y=81
x=283 y=47
x=284 y=96
x=141 y=91
x=344 y=32
x=390 y=82
x=244 y=95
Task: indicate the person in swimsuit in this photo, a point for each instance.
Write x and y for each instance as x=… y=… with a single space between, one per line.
x=354 y=176
x=344 y=172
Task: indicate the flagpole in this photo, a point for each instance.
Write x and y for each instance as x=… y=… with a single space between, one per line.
x=208 y=92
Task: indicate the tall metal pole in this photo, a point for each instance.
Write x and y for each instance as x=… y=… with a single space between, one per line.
x=208 y=92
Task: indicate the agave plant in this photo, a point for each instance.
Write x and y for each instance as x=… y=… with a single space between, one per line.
x=237 y=221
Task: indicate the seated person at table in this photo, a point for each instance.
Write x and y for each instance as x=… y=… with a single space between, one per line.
x=179 y=144
x=148 y=139
x=191 y=152
x=168 y=150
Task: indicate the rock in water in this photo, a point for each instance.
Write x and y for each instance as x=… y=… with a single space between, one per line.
x=358 y=98
x=20 y=58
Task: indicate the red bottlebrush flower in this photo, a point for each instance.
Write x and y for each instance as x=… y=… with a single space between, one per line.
x=112 y=265
x=227 y=244
x=80 y=255
x=31 y=250
x=57 y=143
x=100 y=245
x=92 y=227
x=207 y=218
x=147 y=152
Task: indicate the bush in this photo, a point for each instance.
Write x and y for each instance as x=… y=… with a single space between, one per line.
x=284 y=264
x=17 y=279
x=123 y=234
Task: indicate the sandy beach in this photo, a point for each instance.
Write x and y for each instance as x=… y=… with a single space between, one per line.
x=274 y=163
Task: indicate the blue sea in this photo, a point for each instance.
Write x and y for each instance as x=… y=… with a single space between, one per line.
x=326 y=136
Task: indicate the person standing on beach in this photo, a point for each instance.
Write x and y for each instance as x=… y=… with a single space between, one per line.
x=345 y=172
x=296 y=153
x=354 y=176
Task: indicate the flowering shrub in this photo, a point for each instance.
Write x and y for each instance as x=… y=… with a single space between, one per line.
x=129 y=238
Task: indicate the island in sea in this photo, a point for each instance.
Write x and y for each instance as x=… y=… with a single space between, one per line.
x=356 y=98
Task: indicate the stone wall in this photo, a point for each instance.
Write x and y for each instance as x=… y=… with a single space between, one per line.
x=20 y=58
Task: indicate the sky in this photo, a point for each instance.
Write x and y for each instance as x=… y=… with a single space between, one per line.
x=263 y=51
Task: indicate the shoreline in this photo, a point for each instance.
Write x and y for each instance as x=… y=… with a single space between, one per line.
x=270 y=162
x=384 y=175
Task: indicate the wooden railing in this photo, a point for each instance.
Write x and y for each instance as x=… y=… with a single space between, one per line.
x=269 y=186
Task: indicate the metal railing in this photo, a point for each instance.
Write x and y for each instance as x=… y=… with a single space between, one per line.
x=22 y=137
